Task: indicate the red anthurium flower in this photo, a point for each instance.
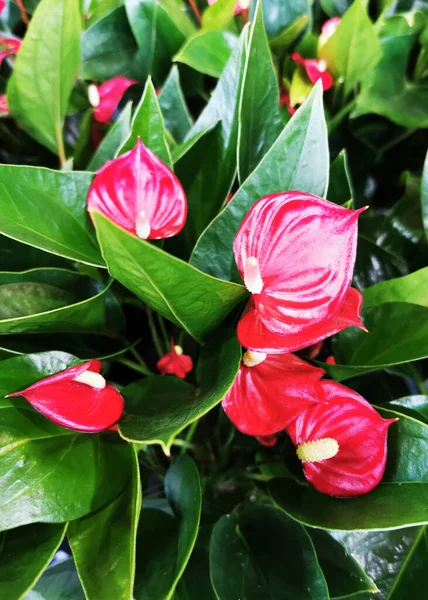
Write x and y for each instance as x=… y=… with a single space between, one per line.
x=175 y=362
x=4 y=107
x=296 y=253
x=330 y=360
x=2 y=5
x=342 y=442
x=139 y=193
x=78 y=398
x=315 y=69
x=284 y=99
x=105 y=98
x=329 y=28
x=267 y=440
x=8 y=47
x=269 y=392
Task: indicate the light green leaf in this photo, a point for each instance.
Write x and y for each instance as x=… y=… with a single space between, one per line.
x=207 y=51
x=219 y=15
x=410 y=288
x=424 y=196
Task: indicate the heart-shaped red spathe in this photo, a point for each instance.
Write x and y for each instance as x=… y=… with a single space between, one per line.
x=140 y=194
x=110 y=94
x=360 y=433
x=73 y=404
x=266 y=397
x=296 y=254
x=315 y=69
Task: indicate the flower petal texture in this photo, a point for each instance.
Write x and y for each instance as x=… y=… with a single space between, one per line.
x=315 y=69
x=8 y=46
x=77 y=398
x=140 y=194
x=343 y=440
x=265 y=398
x=175 y=362
x=110 y=93
x=296 y=254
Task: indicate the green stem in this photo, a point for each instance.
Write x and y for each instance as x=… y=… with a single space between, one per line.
x=134 y=366
x=338 y=118
x=154 y=333
x=189 y=435
x=164 y=332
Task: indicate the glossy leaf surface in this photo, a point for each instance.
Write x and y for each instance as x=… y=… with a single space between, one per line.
x=59 y=582
x=207 y=52
x=172 y=103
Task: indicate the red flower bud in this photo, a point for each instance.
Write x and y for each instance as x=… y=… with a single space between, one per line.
x=267 y=440
x=269 y=392
x=175 y=362
x=4 y=106
x=105 y=98
x=78 y=398
x=296 y=254
x=342 y=442
x=330 y=360
x=139 y=193
x=330 y=27
x=284 y=98
x=8 y=47
x=315 y=69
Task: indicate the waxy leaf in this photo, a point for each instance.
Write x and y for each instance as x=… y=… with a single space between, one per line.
x=103 y=543
x=299 y=159
x=59 y=582
x=114 y=139
x=264 y=550
x=410 y=288
x=49 y=473
x=280 y=14
x=161 y=563
x=181 y=293
x=55 y=300
x=207 y=51
x=413 y=406
x=174 y=109
x=47 y=209
x=24 y=554
x=45 y=70
x=424 y=196
x=158 y=408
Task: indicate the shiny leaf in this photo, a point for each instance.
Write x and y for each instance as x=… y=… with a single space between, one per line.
x=207 y=51
x=115 y=137
x=59 y=582
x=280 y=14
x=175 y=113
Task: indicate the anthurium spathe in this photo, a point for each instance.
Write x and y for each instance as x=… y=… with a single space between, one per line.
x=78 y=398
x=8 y=46
x=106 y=97
x=296 y=253
x=240 y=7
x=175 y=362
x=139 y=193
x=316 y=69
x=4 y=107
x=269 y=392
x=341 y=442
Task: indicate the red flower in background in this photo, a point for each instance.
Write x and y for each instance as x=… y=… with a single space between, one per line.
x=284 y=99
x=316 y=69
x=241 y=6
x=78 y=398
x=8 y=46
x=341 y=442
x=106 y=97
x=267 y=440
x=269 y=392
x=139 y=193
x=2 y=5
x=329 y=27
x=4 y=106
x=296 y=253
x=175 y=362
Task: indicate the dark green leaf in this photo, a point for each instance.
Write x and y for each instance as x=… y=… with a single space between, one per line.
x=173 y=106
x=45 y=70
x=299 y=160
x=280 y=14
x=147 y=124
x=413 y=406
x=374 y=264
x=260 y=122
x=265 y=551
x=114 y=139
x=158 y=408
x=50 y=473
x=59 y=582
x=424 y=196
x=207 y=51
x=289 y=36
x=410 y=288
x=103 y=544
x=340 y=185
x=99 y=9
x=181 y=293
x=335 y=8
x=47 y=209
x=24 y=553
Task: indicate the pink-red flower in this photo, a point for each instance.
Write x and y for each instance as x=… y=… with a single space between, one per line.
x=316 y=69
x=106 y=97
x=4 y=106
x=296 y=253
x=341 y=442
x=2 y=5
x=284 y=100
x=269 y=392
x=78 y=398
x=241 y=6
x=329 y=28
x=139 y=193
x=175 y=362
x=9 y=46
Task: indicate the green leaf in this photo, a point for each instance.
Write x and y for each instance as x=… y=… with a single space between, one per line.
x=115 y=137
x=410 y=288
x=59 y=582
x=103 y=544
x=289 y=36
x=219 y=15
x=264 y=552
x=280 y=14
x=207 y=51
x=158 y=408
x=259 y=118
x=147 y=124
x=335 y=8
x=45 y=70
x=55 y=300
x=424 y=196
x=174 y=109
x=100 y=8
x=413 y=406
x=303 y=143
x=340 y=185
x=344 y=575
x=47 y=209
x=161 y=563
x=374 y=264
x=49 y=473
x=300 y=86
x=395 y=97
x=24 y=553
x=196 y=302
x=353 y=50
